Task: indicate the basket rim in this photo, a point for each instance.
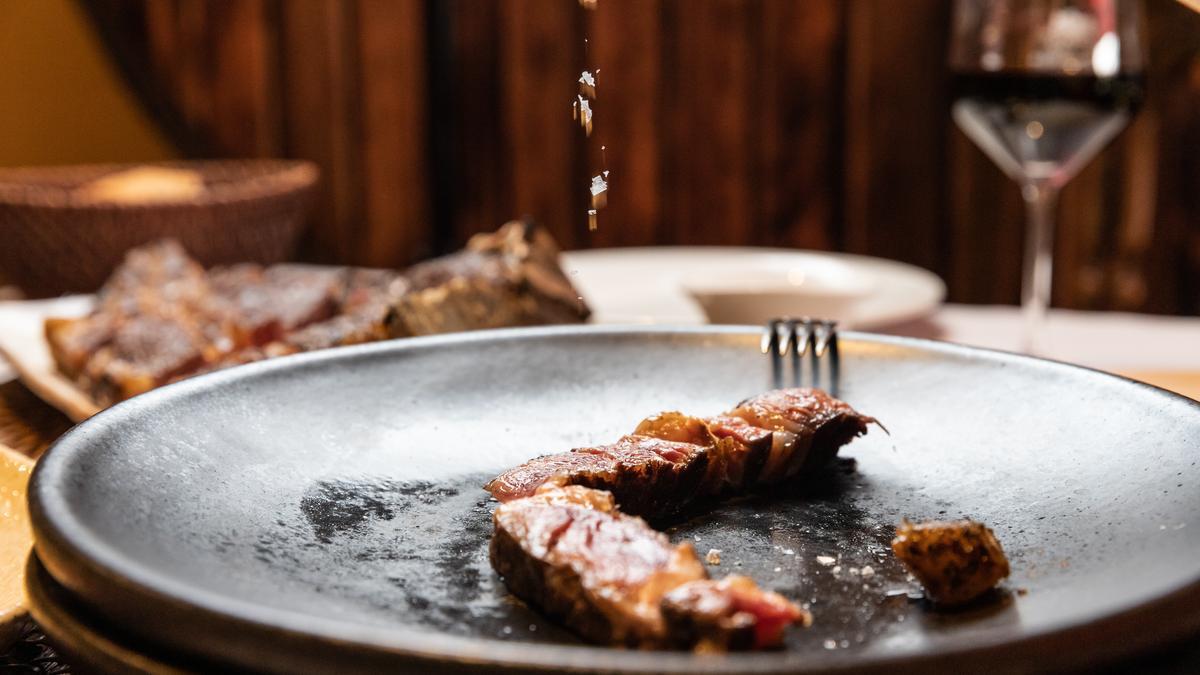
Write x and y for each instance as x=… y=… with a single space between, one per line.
x=21 y=186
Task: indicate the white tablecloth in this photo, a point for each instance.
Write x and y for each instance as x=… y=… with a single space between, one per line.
x=1106 y=340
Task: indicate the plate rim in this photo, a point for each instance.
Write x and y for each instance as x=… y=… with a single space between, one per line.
x=87 y=567
x=913 y=271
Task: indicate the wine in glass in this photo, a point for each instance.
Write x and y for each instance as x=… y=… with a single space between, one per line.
x=1041 y=86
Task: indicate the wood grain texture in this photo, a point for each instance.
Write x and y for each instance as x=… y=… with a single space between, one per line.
x=394 y=89
x=541 y=55
x=818 y=124
x=708 y=177
x=625 y=44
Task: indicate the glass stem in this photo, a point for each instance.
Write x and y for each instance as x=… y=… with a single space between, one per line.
x=1041 y=198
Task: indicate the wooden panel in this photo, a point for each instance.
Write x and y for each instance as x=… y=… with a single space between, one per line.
x=395 y=130
x=320 y=78
x=245 y=87
x=541 y=50
x=626 y=45
x=896 y=123
x=798 y=123
x=707 y=105
x=471 y=143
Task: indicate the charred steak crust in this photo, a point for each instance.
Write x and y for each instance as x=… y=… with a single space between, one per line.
x=647 y=476
x=673 y=459
x=956 y=561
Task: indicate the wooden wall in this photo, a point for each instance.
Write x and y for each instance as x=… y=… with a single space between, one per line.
x=815 y=123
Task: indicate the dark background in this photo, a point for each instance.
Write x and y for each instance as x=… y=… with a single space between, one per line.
x=817 y=124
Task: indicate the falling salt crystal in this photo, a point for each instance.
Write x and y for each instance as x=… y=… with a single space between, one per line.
x=826 y=560
x=587 y=84
x=582 y=111
x=599 y=187
x=588 y=4
x=829 y=644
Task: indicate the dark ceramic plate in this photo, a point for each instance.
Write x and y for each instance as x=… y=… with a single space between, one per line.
x=324 y=511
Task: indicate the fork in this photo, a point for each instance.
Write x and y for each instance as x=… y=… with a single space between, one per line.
x=814 y=337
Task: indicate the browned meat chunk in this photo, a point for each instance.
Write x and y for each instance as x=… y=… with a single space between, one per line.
x=647 y=476
x=614 y=580
x=147 y=352
x=507 y=278
x=74 y=341
x=955 y=561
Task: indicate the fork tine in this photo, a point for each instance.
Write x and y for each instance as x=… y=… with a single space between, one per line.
x=770 y=345
x=815 y=339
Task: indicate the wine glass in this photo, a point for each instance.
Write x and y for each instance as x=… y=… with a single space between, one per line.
x=1041 y=86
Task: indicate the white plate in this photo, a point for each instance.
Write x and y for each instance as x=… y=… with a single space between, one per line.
x=646 y=285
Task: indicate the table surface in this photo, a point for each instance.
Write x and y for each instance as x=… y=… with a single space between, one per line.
x=1159 y=350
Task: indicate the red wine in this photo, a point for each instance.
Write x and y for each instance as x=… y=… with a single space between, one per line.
x=1043 y=127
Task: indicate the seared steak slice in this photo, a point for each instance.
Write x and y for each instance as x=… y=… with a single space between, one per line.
x=737 y=451
x=647 y=476
x=672 y=458
x=808 y=425
x=747 y=449
x=568 y=552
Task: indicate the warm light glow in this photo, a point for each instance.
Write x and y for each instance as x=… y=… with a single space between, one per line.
x=1034 y=130
x=1106 y=55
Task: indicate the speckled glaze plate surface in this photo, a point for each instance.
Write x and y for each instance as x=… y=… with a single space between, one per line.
x=325 y=511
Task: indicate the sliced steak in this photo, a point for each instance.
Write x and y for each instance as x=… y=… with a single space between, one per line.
x=568 y=552
x=808 y=425
x=647 y=476
x=673 y=458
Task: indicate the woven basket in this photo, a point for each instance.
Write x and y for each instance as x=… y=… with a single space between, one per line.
x=53 y=241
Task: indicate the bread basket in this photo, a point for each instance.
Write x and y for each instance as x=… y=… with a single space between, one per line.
x=55 y=239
